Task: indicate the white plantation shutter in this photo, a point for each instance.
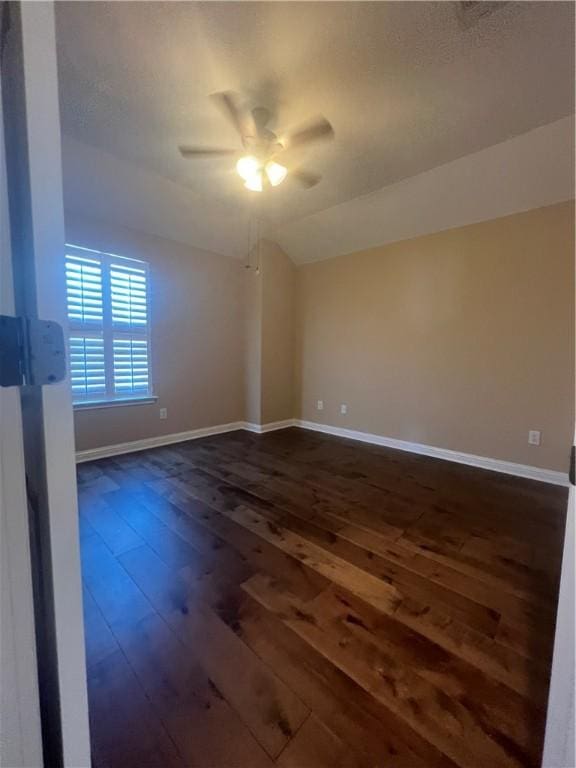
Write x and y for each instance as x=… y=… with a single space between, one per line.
x=130 y=365
x=109 y=326
x=84 y=290
x=129 y=291
x=87 y=367
x=128 y=286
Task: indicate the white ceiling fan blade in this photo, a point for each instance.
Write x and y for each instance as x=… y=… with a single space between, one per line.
x=201 y=152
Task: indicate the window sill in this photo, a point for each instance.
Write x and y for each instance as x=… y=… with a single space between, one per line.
x=89 y=405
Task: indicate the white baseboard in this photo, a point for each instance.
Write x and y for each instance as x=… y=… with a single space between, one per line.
x=261 y=429
x=155 y=442
x=483 y=462
x=107 y=451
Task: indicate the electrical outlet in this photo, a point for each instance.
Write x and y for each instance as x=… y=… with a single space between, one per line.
x=320 y=405
x=343 y=409
x=534 y=437
x=163 y=413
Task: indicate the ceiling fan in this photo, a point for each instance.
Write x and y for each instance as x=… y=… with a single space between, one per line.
x=258 y=165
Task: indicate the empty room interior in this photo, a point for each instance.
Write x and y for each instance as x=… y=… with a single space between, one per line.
x=319 y=284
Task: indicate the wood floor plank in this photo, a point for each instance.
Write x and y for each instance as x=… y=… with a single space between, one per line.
x=316 y=681
x=408 y=582
x=307 y=601
x=217 y=554
x=436 y=716
x=379 y=593
x=345 y=707
x=124 y=728
x=489 y=591
x=118 y=536
x=265 y=704
x=529 y=591
x=511 y=716
x=298 y=493
x=195 y=713
x=100 y=641
x=315 y=746
x=115 y=593
x=341 y=614
x=265 y=557
x=170 y=547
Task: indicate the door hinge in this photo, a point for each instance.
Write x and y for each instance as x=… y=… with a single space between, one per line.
x=572 y=472
x=31 y=352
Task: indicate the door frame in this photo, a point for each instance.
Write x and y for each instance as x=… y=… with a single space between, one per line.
x=34 y=177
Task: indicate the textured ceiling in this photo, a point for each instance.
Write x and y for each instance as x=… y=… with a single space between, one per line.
x=406 y=85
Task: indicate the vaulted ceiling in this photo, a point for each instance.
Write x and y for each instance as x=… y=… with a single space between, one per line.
x=408 y=86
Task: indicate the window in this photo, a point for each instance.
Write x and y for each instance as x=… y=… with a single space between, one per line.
x=108 y=326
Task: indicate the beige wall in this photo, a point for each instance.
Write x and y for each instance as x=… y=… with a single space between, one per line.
x=253 y=343
x=278 y=296
x=197 y=338
x=461 y=339
x=269 y=343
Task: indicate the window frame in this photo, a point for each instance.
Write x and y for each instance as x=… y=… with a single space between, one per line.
x=108 y=331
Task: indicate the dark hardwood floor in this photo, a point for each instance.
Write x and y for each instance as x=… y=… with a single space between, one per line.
x=299 y=600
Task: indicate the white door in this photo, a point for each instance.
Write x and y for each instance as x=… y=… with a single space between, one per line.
x=20 y=738
x=44 y=701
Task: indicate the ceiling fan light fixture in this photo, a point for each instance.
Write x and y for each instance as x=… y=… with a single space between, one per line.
x=248 y=167
x=276 y=173
x=254 y=182
x=259 y=170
